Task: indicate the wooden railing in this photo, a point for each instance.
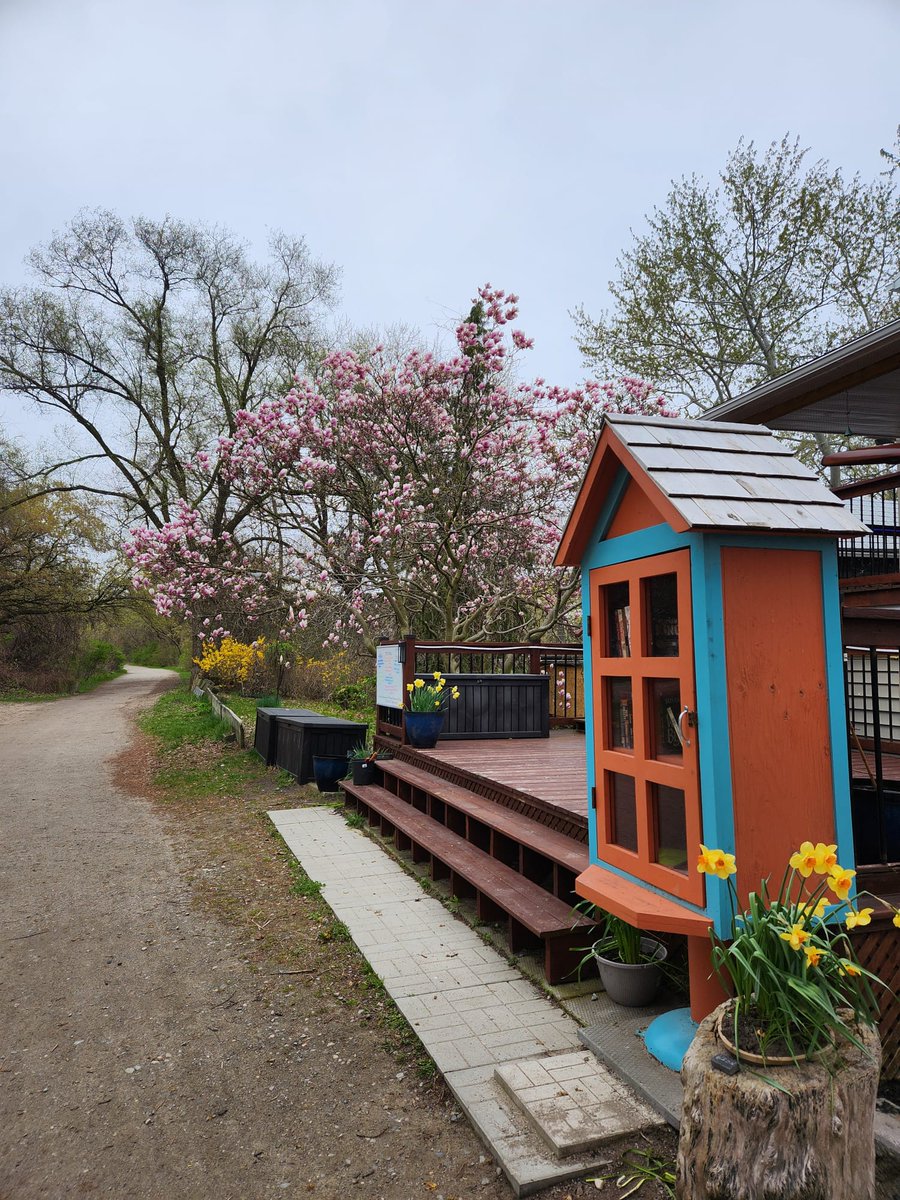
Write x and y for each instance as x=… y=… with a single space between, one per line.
x=563 y=662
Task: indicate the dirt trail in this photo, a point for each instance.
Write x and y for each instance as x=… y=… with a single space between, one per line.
x=139 y=1055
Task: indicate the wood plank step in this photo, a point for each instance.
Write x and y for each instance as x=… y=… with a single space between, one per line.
x=528 y=787
x=498 y=889
x=558 y=847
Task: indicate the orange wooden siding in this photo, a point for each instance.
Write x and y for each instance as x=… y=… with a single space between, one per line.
x=777 y=707
x=635 y=511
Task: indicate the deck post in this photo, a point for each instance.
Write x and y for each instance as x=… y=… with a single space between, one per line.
x=408 y=658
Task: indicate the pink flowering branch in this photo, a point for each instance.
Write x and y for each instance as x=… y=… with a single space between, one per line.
x=420 y=493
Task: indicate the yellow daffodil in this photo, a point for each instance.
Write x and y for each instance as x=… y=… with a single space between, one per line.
x=839 y=881
x=862 y=917
x=715 y=862
x=897 y=918
x=437 y=675
x=804 y=859
x=440 y=686
x=795 y=937
x=420 y=683
x=826 y=858
x=410 y=688
x=807 y=911
x=454 y=692
x=437 y=704
x=813 y=955
x=848 y=968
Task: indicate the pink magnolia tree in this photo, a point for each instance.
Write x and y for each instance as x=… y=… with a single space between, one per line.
x=421 y=493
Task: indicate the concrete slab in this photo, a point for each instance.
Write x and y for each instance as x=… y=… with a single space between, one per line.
x=471 y=1009
x=574 y=1102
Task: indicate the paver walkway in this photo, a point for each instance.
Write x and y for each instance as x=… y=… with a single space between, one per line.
x=471 y=1009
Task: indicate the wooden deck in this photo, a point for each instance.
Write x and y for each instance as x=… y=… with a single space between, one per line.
x=551 y=771
x=890 y=765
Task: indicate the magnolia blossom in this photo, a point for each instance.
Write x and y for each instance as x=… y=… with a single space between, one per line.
x=422 y=493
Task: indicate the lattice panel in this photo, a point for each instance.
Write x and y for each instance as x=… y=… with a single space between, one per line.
x=878 y=950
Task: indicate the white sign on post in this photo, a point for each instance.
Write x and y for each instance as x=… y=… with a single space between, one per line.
x=389 y=677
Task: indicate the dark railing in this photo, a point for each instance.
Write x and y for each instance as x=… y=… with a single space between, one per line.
x=873 y=709
x=878 y=552
x=563 y=662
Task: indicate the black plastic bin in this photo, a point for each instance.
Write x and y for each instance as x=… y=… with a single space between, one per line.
x=299 y=738
x=265 y=739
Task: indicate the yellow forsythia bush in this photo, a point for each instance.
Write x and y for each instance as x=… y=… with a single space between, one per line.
x=229 y=663
x=317 y=678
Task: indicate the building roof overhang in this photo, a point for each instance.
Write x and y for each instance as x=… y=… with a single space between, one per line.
x=854 y=389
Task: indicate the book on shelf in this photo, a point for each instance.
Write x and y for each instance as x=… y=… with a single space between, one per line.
x=622 y=617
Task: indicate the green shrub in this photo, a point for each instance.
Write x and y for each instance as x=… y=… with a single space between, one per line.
x=355 y=695
x=100 y=657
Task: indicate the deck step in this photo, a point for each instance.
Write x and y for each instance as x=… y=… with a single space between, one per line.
x=516 y=827
x=499 y=891
x=495 y=784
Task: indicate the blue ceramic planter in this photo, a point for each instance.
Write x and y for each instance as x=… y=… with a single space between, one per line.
x=327 y=771
x=423 y=728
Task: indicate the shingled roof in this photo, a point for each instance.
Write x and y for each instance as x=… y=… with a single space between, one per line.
x=726 y=476
x=714 y=476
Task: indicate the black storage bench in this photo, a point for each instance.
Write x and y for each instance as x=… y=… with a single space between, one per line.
x=299 y=737
x=498 y=706
x=265 y=739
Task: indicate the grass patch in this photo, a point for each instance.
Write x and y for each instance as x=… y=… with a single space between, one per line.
x=92 y=681
x=24 y=696
x=306 y=886
x=179 y=718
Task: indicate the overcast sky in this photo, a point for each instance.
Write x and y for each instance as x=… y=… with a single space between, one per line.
x=428 y=146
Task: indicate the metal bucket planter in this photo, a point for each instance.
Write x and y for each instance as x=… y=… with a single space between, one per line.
x=423 y=728
x=327 y=771
x=634 y=985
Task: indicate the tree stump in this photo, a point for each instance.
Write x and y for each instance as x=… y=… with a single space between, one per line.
x=743 y=1139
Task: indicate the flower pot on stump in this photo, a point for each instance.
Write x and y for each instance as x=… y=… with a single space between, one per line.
x=798 y=1132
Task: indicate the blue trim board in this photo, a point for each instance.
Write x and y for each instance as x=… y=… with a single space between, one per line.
x=716 y=799
x=588 y=672
x=643 y=543
x=837 y=708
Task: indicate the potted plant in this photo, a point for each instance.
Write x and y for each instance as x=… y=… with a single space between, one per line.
x=797 y=986
x=362 y=759
x=628 y=961
x=789 y=1109
x=427 y=703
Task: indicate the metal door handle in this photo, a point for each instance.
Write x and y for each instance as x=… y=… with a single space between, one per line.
x=691 y=720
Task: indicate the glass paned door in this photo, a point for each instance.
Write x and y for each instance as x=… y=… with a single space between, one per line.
x=645 y=734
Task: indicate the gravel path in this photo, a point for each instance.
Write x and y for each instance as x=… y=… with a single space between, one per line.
x=139 y=1055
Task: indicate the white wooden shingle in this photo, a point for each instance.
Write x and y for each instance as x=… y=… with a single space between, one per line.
x=726 y=476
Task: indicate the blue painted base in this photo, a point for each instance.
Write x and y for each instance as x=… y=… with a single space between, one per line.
x=668 y=1037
